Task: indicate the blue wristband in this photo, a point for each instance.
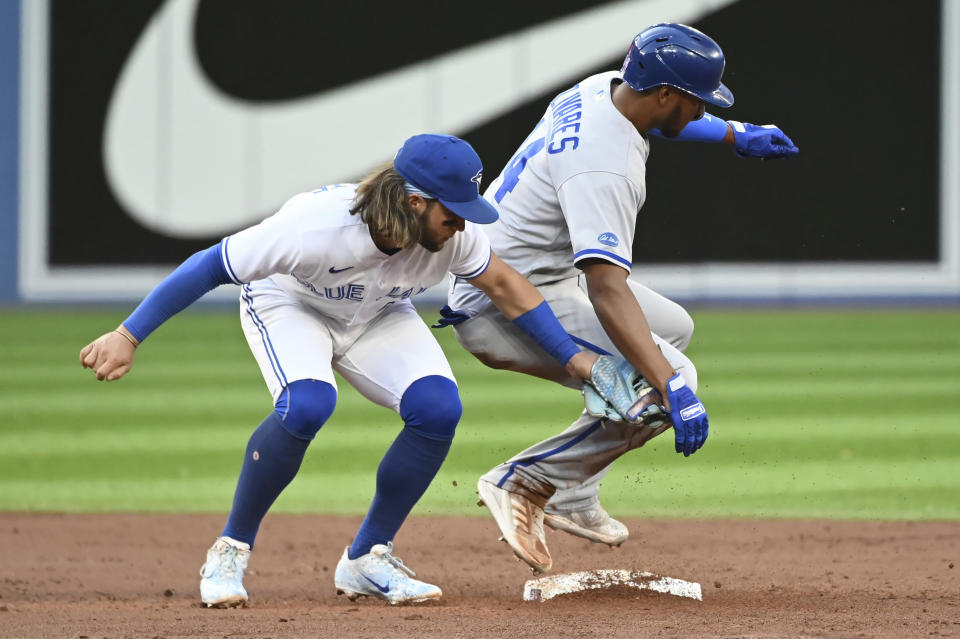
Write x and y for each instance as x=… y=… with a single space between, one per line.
x=709 y=128
x=200 y=273
x=542 y=325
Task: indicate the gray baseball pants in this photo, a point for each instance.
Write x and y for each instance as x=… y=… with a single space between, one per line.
x=563 y=472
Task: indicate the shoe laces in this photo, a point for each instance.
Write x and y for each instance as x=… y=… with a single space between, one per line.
x=228 y=563
x=396 y=562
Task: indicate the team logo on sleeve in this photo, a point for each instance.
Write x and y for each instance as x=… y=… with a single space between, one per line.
x=477 y=178
x=608 y=239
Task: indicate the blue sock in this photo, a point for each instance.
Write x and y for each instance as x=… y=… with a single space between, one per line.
x=402 y=477
x=430 y=408
x=272 y=460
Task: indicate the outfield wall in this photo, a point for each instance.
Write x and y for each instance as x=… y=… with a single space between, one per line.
x=150 y=129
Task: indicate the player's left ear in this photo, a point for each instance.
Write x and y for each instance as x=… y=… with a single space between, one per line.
x=665 y=93
x=417 y=202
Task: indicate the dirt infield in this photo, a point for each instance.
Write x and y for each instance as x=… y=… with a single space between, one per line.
x=91 y=576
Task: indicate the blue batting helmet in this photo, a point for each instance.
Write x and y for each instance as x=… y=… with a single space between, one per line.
x=679 y=56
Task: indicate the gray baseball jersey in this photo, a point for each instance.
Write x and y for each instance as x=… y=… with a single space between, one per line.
x=571 y=192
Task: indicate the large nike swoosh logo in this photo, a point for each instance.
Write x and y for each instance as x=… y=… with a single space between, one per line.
x=187 y=161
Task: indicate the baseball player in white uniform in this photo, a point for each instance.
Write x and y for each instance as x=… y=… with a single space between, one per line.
x=568 y=202
x=326 y=284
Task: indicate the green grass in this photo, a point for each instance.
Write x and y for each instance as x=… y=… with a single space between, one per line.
x=841 y=414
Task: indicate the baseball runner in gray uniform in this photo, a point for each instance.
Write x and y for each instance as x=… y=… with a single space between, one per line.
x=568 y=202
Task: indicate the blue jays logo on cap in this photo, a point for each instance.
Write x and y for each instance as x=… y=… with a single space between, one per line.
x=448 y=169
x=609 y=239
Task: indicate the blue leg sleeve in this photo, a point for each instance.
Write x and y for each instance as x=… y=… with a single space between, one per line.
x=430 y=408
x=275 y=452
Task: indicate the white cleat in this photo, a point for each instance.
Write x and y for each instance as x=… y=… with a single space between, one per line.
x=222 y=583
x=593 y=524
x=380 y=574
x=521 y=522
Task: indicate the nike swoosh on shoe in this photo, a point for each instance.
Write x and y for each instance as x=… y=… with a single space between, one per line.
x=383 y=589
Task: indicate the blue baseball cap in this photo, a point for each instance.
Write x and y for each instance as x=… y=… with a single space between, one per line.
x=448 y=169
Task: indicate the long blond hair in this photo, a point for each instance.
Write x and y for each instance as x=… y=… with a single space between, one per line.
x=381 y=202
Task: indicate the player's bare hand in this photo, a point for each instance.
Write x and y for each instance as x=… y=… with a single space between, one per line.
x=110 y=356
x=581 y=364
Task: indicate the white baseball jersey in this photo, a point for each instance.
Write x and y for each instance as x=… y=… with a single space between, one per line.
x=320 y=254
x=572 y=191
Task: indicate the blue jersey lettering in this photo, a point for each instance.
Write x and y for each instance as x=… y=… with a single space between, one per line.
x=511 y=174
x=565 y=121
x=329 y=187
x=338 y=295
x=352 y=292
x=563 y=96
x=573 y=106
x=573 y=143
x=355 y=292
x=567 y=109
x=566 y=115
x=402 y=295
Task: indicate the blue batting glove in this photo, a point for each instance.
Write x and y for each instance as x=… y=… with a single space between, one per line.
x=767 y=141
x=689 y=417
